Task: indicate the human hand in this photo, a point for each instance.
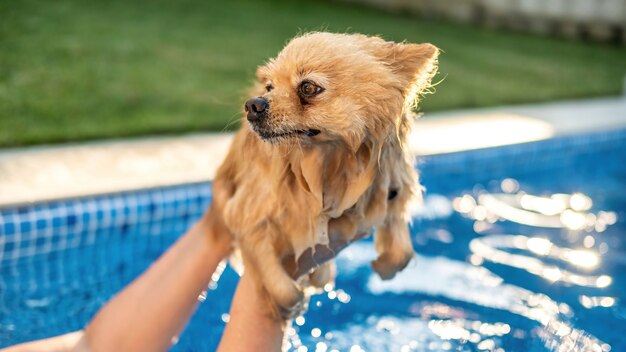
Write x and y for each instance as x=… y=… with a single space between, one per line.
x=219 y=237
x=313 y=258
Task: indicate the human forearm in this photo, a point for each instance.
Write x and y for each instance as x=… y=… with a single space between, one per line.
x=154 y=308
x=250 y=327
x=71 y=342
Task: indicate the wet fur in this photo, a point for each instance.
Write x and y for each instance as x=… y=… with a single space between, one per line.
x=278 y=197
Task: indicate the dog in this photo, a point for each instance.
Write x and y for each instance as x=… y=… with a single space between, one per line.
x=323 y=150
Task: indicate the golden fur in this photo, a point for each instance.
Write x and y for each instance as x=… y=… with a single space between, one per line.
x=281 y=195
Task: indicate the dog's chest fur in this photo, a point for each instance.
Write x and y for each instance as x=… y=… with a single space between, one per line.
x=296 y=191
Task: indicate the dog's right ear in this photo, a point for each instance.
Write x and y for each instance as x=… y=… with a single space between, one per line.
x=415 y=64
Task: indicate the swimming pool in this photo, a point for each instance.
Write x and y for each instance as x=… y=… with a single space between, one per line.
x=496 y=269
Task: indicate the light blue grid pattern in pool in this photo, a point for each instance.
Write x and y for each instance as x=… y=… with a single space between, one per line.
x=39 y=229
x=81 y=246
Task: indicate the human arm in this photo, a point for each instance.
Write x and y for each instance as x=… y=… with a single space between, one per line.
x=249 y=327
x=155 y=307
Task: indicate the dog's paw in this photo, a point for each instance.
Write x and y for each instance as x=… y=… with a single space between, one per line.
x=323 y=275
x=387 y=266
x=288 y=299
x=298 y=309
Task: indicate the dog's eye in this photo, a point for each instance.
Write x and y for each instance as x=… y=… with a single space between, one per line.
x=269 y=87
x=308 y=89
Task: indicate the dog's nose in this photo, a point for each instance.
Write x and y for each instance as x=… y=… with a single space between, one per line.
x=256 y=108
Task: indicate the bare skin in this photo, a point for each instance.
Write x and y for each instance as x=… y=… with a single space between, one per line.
x=249 y=327
x=156 y=306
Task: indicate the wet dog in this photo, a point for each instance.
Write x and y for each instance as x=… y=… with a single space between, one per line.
x=322 y=150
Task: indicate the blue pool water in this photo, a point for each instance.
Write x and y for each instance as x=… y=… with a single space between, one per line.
x=492 y=272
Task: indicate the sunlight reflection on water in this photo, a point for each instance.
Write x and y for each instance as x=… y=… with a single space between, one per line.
x=490 y=248
x=467 y=283
x=438 y=326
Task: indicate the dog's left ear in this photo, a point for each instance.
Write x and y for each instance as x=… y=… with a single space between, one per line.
x=415 y=64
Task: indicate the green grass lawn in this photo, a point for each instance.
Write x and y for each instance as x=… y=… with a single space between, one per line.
x=75 y=70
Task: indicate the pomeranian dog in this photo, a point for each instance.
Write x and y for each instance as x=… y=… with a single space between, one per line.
x=322 y=149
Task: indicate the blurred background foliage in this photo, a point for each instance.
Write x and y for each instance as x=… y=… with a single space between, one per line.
x=75 y=70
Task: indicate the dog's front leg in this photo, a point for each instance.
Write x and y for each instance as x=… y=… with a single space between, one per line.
x=262 y=261
x=392 y=241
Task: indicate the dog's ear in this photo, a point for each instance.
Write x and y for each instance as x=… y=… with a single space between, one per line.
x=411 y=60
x=414 y=64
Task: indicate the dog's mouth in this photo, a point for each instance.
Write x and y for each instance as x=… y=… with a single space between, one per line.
x=272 y=135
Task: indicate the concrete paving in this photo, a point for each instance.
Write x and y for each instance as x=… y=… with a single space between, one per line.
x=479 y=128
x=52 y=172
